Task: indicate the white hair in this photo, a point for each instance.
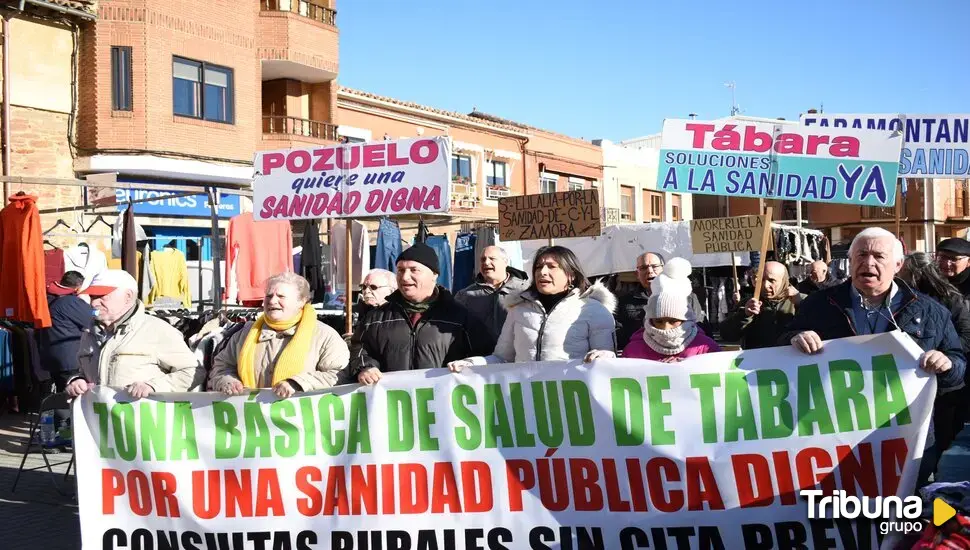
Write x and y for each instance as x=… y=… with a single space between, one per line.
x=289 y=278
x=505 y=255
x=389 y=277
x=873 y=233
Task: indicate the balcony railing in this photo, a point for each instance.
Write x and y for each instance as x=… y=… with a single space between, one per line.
x=292 y=126
x=881 y=213
x=307 y=9
x=610 y=216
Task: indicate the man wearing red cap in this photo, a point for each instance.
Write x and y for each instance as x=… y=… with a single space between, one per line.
x=127 y=348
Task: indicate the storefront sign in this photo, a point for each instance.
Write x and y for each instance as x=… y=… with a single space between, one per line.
x=735 y=234
x=755 y=159
x=404 y=176
x=708 y=453
x=550 y=216
x=193 y=206
x=933 y=146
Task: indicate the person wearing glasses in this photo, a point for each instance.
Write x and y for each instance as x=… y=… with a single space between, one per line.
x=630 y=312
x=377 y=286
x=953 y=257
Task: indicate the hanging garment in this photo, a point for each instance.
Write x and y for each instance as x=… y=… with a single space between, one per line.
x=388 y=245
x=360 y=252
x=311 y=262
x=86 y=260
x=171 y=277
x=53 y=265
x=423 y=233
x=146 y=279
x=129 y=243
x=118 y=234
x=23 y=295
x=255 y=252
x=464 y=261
x=6 y=362
x=484 y=238
x=443 y=249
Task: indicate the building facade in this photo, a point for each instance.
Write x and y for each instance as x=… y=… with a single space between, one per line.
x=630 y=189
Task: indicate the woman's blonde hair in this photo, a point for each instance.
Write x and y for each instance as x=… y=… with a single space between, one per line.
x=289 y=278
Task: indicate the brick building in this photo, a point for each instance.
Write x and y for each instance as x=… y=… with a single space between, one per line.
x=167 y=93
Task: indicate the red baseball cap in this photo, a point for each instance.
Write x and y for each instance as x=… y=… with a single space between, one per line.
x=57 y=289
x=110 y=280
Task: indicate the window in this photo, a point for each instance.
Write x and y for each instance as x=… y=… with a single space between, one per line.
x=626 y=202
x=547 y=183
x=201 y=90
x=576 y=184
x=675 y=206
x=461 y=168
x=495 y=173
x=121 y=78
x=653 y=206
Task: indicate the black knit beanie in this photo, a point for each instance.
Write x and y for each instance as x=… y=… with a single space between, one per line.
x=423 y=254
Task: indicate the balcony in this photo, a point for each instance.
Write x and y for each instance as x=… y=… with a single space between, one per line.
x=495 y=192
x=297 y=132
x=881 y=213
x=306 y=9
x=610 y=216
x=298 y=39
x=464 y=194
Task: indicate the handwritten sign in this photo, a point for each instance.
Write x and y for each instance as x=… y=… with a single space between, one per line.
x=550 y=216
x=403 y=176
x=735 y=234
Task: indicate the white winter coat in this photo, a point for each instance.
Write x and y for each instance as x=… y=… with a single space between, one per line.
x=581 y=322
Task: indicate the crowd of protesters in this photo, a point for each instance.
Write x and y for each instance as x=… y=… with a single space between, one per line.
x=553 y=313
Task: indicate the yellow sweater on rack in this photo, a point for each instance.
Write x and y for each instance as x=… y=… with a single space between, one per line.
x=171 y=276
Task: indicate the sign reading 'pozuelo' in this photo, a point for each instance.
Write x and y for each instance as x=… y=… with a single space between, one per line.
x=736 y=234
x=756 y=159
x=404 y=176
x=550 y=216
x=935 y=145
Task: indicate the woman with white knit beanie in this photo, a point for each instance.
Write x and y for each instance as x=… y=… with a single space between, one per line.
x=670 y=332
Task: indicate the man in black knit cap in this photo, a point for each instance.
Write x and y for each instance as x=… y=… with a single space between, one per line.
x=953 y=257
x=420 y=327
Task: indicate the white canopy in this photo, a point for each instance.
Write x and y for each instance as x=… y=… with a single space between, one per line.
x=617 y=249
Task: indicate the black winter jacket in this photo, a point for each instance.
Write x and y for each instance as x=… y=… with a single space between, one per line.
x=386 y=339
x=829 y=313
x=484 y=301
x=59 y=344
x=762 y=330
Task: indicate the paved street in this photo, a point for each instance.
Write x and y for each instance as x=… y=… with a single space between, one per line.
x=36 y=516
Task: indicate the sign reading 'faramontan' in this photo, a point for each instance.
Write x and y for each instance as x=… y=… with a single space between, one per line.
x=550 y=216
x=736 y=234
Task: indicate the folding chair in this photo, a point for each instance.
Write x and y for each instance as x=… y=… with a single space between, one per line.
x=54 y=402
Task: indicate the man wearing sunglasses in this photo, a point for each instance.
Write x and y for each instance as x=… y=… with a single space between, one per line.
x=953 y=257
x=377 y=286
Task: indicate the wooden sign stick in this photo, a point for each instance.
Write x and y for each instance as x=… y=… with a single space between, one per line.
x=764 y=252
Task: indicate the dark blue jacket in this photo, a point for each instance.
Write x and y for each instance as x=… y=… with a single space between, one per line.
x=828 y=312
x=59 y=344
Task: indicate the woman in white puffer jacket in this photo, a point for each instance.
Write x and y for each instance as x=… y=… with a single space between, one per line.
x=558 y=318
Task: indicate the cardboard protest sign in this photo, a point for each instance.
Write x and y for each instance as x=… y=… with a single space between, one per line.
x=708 y=453
x=774 y=161
x=550 y=216
x=734 y=234
x=933 y=146
x=404 y=176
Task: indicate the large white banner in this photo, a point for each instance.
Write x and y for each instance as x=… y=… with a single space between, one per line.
x=621 y=454
x=380 y=178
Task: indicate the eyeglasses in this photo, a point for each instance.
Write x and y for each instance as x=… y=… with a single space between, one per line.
x=950 y=259
x=373 y=288
x=650 y=267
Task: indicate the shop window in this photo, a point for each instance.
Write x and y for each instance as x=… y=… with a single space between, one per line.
x=495 y=173
x=461 y=168
x=201 y=90
x=121 y=78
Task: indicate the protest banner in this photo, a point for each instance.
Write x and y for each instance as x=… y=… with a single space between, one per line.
x=933 y=145
x=758 y=159
x=712 y=452
x=404 y=176
x=550 y=216
x=734 y=234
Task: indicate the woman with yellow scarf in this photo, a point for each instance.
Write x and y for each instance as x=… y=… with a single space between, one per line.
x=286 y=349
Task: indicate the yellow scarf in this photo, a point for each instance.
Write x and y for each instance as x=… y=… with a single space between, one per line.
x=293 y=358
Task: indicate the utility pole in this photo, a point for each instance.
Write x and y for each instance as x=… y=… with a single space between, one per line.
x=734 y=104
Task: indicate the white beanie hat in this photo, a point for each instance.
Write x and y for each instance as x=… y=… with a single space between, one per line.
x=670 y=292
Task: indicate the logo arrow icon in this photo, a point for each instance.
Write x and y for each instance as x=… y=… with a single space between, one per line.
x=942 y=512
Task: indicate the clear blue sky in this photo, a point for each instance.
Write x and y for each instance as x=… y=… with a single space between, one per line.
x=615 y=69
